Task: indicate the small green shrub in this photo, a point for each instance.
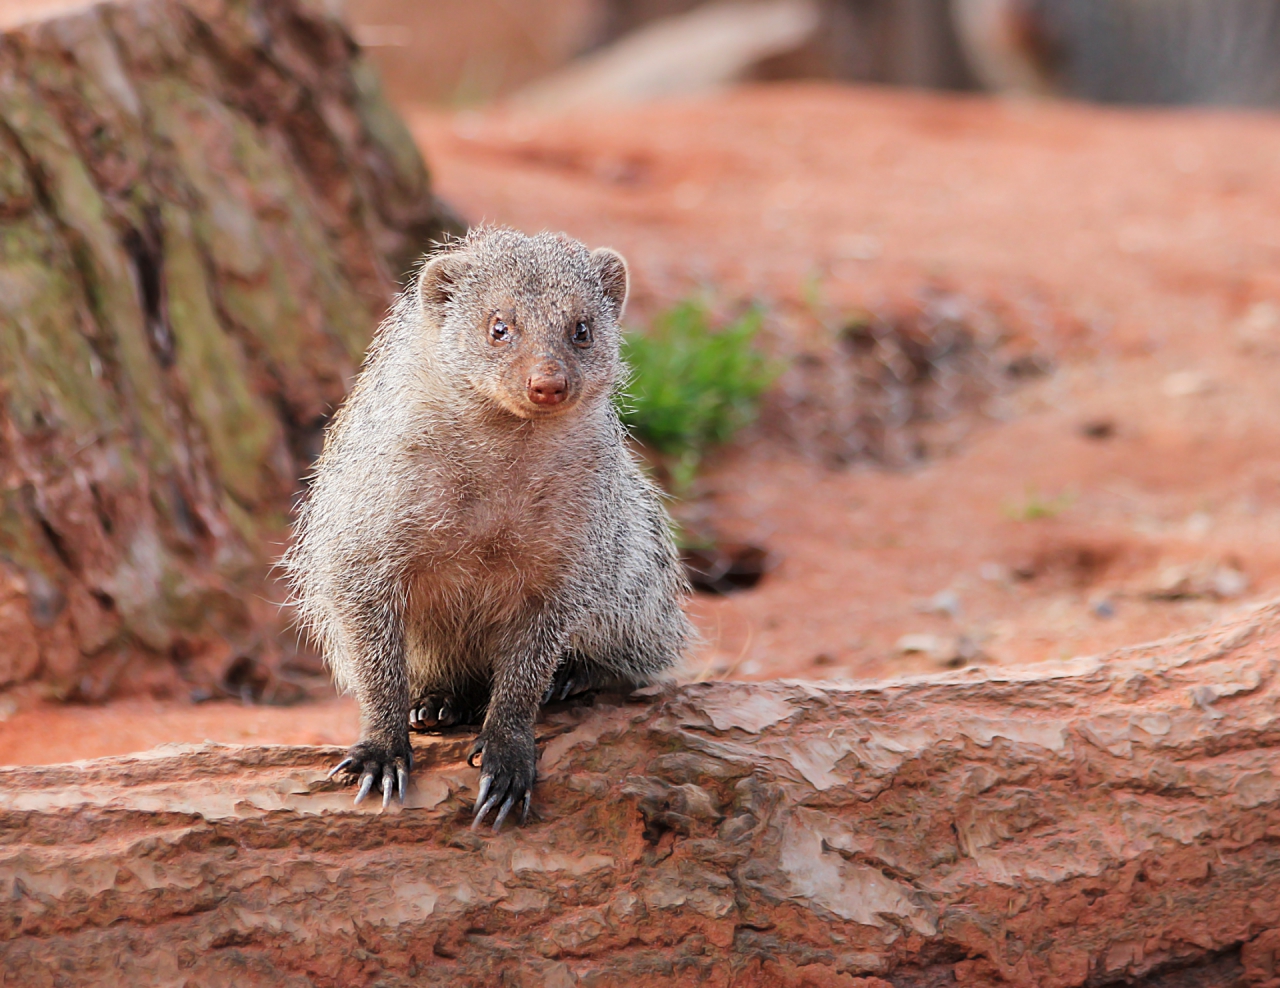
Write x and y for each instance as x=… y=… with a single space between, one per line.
x=692 y=387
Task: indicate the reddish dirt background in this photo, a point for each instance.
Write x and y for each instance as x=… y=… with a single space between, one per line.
x=1151 y=235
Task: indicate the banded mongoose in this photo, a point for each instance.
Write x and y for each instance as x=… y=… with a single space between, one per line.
x=478 y=539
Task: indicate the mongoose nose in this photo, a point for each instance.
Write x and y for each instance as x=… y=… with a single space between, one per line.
x=547 y=387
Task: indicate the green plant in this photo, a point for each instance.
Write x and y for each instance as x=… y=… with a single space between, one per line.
x=1037 y=505
x=691 y=386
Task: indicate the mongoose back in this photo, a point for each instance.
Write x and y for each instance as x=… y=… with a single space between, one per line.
x=478 y=538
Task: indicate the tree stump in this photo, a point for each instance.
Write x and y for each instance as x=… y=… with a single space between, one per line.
x=205 y=208
x=1100 y=821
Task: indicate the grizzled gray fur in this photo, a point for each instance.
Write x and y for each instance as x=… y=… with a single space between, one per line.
x=478 y=539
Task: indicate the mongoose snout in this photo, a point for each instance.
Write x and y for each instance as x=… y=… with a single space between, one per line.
x=478 y=538
x=548 y=384
x=542 y=357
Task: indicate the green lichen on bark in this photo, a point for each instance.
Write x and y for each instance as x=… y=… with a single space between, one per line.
x=49 y=369
x=245 y=438
x=278 y=280
x=80 y=212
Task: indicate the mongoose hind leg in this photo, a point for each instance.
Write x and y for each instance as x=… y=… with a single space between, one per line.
x=570 y=679
x=439 y=709
x=574 y=677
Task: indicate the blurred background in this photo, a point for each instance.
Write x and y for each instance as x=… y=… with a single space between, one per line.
x=955 y=323
x=460 y=53
x=1017 y=393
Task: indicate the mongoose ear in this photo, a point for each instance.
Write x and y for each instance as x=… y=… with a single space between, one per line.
x=440 y=276
x=613 y=276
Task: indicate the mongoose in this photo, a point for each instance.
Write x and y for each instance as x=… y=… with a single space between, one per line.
x=478 y=538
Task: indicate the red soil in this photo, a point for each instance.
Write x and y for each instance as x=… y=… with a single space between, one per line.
x=1154 y=234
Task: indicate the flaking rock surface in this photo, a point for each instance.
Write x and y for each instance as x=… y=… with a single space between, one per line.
x=1111 y=820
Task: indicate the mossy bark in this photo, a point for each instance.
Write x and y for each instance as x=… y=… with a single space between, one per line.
x=205 y=208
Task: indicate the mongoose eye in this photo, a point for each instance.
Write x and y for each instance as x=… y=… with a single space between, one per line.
x=581 y=334
x=499 y=332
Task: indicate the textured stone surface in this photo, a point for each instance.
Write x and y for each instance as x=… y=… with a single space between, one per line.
x=205 y=206
x=1105 y=821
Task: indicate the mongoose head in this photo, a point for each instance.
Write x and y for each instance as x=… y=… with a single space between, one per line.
x=526 y=324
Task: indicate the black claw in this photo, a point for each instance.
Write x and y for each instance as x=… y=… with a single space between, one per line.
x=569 y=680
x=481 y=813
x=524 y=813
x=388 y=785
x=476 y=749
x=420 y=718
x=502 y=813
x=339 y=767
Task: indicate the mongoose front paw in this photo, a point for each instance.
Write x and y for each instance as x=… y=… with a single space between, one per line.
x=372 y=760
x=507 y=769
